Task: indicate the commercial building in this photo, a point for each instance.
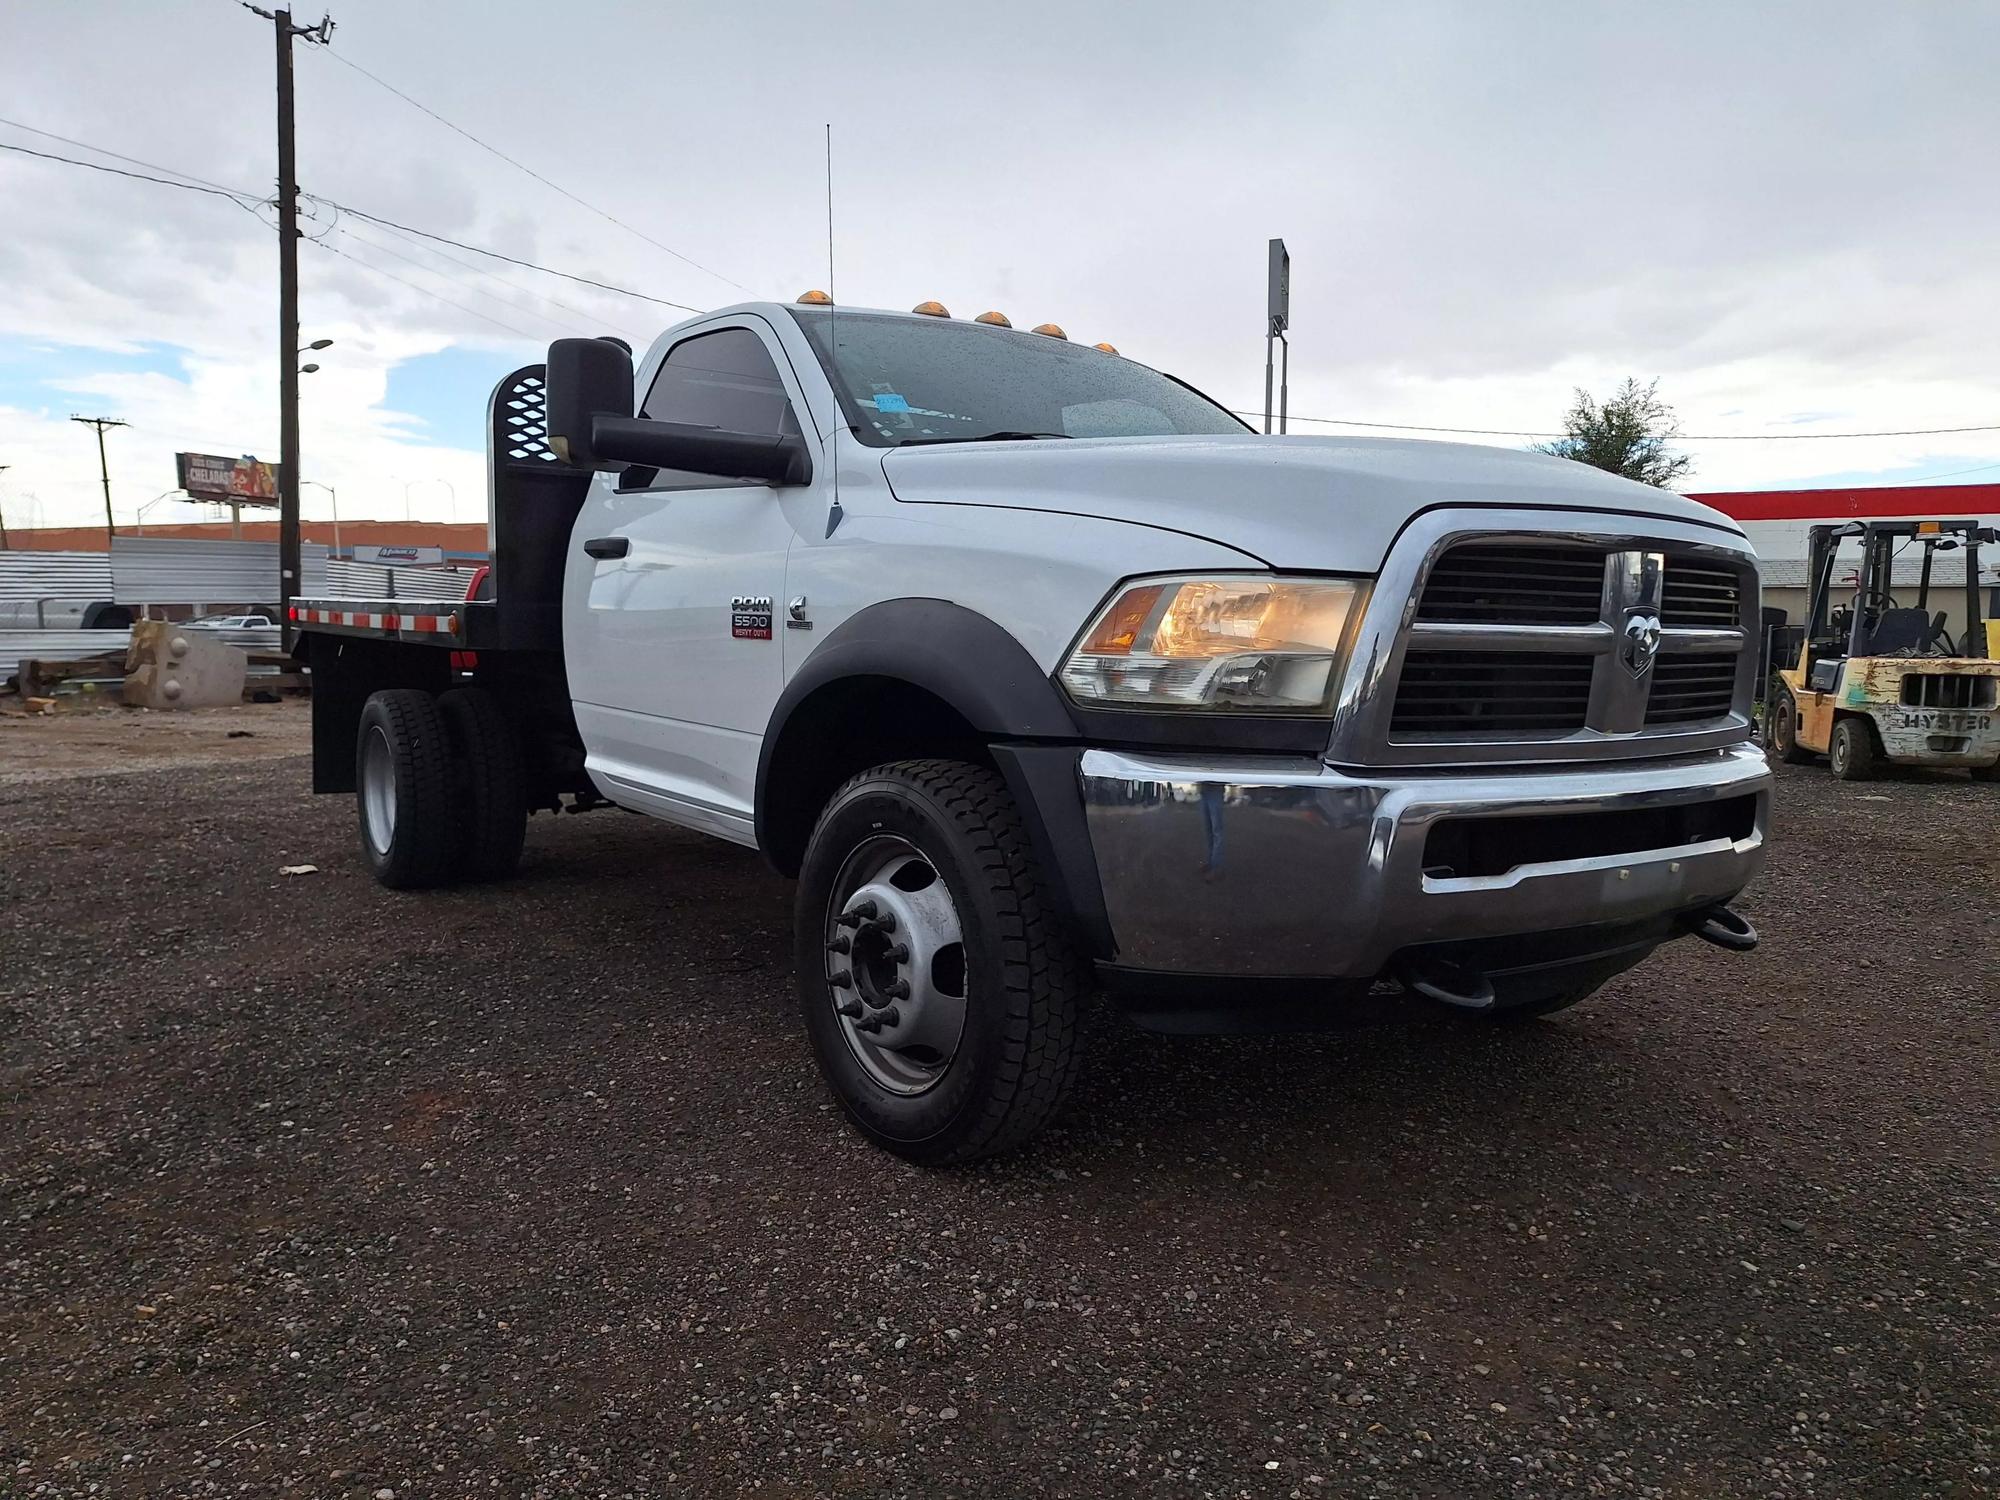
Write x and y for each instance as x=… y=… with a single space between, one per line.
x=1777 y=522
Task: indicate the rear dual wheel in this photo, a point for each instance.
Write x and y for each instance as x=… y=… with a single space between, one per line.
x=440 y=788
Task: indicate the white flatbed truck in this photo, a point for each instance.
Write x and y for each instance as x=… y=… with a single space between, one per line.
x=1044 y=676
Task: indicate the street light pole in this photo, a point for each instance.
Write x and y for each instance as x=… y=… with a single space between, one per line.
x=139 y=516
x=332 y=500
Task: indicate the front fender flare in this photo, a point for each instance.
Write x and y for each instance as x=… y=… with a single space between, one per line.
x=979 y=670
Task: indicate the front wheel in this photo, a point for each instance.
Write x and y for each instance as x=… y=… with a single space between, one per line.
x=1785 y=731
x=1852 y=752
x=939 y=990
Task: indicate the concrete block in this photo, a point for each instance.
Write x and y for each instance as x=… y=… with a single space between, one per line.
x=169 y=666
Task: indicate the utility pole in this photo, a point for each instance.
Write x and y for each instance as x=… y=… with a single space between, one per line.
x=288 y=311
x=5 y=545
x=103 y=468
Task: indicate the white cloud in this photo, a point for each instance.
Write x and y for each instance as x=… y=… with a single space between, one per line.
x=1779 y=210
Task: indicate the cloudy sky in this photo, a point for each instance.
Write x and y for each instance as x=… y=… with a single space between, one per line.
x=1784 y=211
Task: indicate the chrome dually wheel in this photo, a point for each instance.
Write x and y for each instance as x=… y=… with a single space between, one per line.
x=378 y=789
x=938 y=989
x=895 y=971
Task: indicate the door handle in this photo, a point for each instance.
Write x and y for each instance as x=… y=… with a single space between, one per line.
x=608 y=546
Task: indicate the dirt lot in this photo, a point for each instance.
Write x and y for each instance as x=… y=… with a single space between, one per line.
x=313 y=1189
x=108 y=740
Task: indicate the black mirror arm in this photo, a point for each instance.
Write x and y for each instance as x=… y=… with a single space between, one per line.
x=777 y=459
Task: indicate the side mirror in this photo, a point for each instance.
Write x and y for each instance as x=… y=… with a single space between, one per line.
x=590 y=424
x=774 y=459
x=586 y=378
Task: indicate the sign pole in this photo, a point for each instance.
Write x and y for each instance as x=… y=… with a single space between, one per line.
x=1277 y=320
x=1268 y=336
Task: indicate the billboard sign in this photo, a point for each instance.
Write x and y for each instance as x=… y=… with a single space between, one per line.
x=236 y=481
x=401 y=557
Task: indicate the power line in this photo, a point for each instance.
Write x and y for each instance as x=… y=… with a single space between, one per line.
x=602 y=286
x=431 y=270
x=1679 y=437
x=244 y=199
x=132 y=161
x=426 y=291
x=1948 y=474
x=530 y=171
x=496 y=278
x=250 y=200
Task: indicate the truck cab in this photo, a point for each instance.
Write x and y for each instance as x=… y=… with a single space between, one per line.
x=1044 y=676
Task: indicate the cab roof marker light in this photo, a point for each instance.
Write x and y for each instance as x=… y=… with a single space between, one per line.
x=1051 y=330
x=815 y=298
x=997 y=319
x=931 y=309
x=1106 y=348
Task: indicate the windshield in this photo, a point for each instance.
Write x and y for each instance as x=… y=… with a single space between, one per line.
x=916 y=380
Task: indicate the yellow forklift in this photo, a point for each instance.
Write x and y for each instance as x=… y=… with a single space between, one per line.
x=1879 y=681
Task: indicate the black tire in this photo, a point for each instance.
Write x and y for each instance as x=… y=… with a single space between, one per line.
x=1785 y=731
x=1022 y=979
x=1986 y=773
x=413 y=846
x=491 y=783
x=1852 y=750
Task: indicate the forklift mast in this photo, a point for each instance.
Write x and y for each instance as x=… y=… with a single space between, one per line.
x=1874 y=580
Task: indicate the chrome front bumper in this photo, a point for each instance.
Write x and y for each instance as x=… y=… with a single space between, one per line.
x=1282 y=866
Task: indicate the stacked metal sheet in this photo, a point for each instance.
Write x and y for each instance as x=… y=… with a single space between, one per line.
x=351 y=580
x=180 y=570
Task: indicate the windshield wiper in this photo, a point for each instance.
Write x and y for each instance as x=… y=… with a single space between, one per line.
x=984 y=437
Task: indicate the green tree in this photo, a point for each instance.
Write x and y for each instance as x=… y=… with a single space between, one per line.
x=1627 y=434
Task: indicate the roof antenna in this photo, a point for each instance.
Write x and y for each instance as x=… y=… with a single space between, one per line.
x=833 y=516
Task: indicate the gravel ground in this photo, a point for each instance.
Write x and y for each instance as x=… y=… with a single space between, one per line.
x=530 y=1190
x=85 y=739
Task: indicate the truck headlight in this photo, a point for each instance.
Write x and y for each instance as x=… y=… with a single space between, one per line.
x=1251 y=644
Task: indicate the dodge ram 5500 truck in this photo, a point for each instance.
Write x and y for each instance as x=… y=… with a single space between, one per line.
x=1044 y=675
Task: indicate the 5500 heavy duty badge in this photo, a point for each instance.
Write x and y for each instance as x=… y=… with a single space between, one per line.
x=750 y=617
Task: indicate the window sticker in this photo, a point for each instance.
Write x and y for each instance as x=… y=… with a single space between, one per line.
x=889 y=401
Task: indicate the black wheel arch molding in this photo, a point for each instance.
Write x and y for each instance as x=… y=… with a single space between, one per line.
x=983 y=674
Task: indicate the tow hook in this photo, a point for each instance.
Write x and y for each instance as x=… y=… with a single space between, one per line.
x=1719 y=925
x=1442 y=980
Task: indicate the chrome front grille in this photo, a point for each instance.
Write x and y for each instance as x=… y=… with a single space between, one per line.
x=1518 y=642
x=1515 y=586
x=1700 y=594
x=1493 y=692
x=1689 y=689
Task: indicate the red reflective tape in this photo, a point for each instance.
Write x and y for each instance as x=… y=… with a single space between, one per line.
x=392 y=622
